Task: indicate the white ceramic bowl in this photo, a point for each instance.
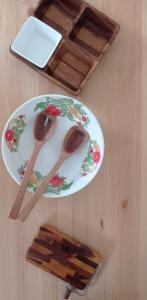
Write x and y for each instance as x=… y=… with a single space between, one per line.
x=36 y=42
x=18 y=142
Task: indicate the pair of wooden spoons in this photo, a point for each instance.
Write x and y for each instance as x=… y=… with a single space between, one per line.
x=44 y=127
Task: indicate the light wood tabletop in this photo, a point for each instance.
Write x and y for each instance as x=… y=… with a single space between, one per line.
x=111 y=213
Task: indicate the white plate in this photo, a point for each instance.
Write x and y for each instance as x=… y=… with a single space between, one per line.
x=18 y=142
x=36 y=42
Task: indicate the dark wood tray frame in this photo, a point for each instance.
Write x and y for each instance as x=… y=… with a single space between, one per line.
x=87 y=34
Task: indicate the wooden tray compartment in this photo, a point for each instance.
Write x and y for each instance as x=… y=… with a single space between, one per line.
x=59 y=14
x=71 y=66
x=93 y=31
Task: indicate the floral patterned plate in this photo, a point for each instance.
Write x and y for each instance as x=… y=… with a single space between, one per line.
x=18 y=142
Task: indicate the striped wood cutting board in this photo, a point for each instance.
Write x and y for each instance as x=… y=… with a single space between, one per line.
x=64 y=257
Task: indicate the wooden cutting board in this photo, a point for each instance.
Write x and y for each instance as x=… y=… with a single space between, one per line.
x=64 y=257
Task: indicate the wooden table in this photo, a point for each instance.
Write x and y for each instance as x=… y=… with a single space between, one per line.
x=111 y=213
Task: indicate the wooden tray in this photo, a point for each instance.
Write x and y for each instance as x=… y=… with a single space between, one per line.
x=87 y=34
x=64 y=257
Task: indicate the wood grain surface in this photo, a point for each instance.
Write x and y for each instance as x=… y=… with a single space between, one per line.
x=110 y=215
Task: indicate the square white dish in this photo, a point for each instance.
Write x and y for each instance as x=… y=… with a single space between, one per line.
x=36 y=42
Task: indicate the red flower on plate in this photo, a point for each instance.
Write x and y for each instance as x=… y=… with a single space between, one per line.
x=57 y=181
x=9 y=135
x=84 y=118
x=53 y=110
x=21 y=117
x=14 y=140
x=84 y=174
x=96 y=156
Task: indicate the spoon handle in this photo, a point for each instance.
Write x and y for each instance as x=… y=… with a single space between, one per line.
x=28 y=208
x=20 y=195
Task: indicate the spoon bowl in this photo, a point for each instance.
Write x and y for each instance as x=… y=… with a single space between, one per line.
x=75 y=139
x=44 y=126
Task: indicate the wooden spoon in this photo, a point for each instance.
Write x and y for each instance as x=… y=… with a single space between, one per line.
x=75 y=139
x=43 y=129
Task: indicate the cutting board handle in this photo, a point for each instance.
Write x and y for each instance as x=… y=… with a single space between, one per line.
x=67 y=294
